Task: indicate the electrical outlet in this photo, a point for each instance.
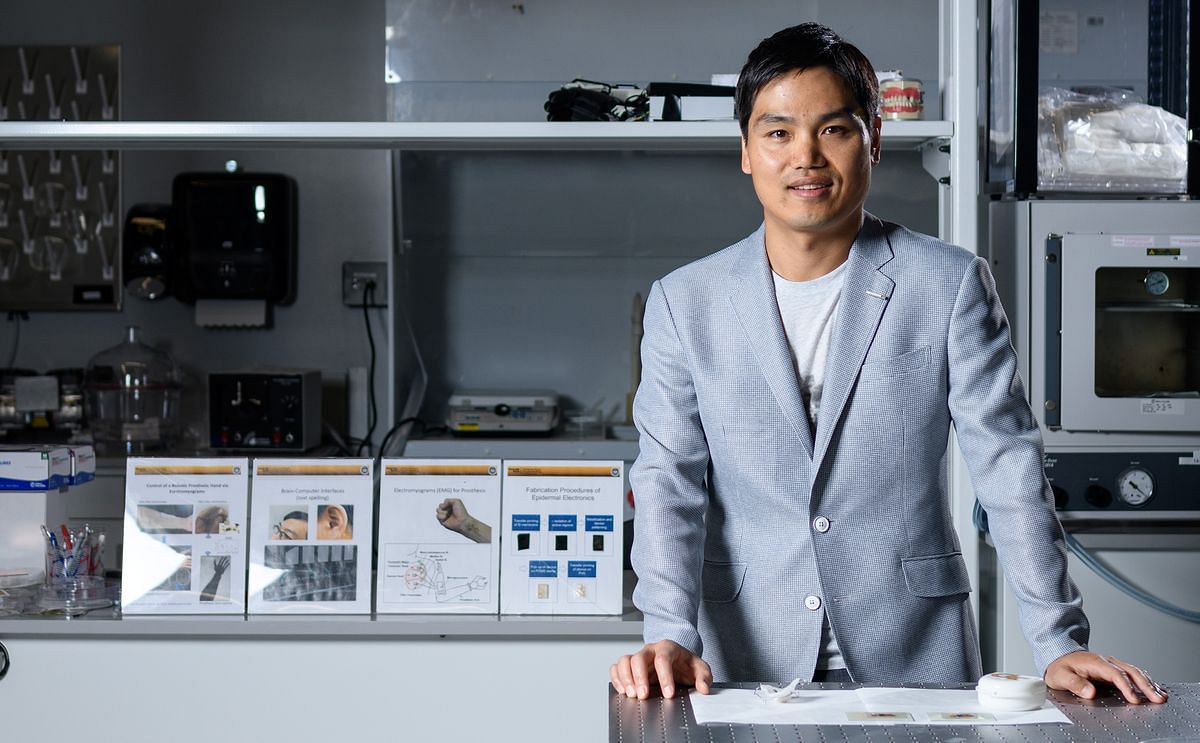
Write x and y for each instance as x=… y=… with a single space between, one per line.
x=355 y=277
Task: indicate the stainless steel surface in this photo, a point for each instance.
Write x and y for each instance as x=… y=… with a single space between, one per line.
x=582 y=135
x=1106 y=719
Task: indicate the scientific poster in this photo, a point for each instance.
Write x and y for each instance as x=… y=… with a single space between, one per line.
x=310 y=537
x=185 y=536
x=439 y=536
x=563 y=542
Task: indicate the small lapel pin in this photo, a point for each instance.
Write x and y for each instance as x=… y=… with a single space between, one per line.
x=884 y=297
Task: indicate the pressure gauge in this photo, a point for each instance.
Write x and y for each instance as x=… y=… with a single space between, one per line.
x=1135 y=486
x=1157 y=283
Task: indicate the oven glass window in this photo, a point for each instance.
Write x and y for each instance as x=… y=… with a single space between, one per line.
x=1147 y=332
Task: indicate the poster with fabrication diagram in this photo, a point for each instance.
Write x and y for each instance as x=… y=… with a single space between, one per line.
x=439 y=536
x=562 y=546
x=185 y=536
x=311 y=525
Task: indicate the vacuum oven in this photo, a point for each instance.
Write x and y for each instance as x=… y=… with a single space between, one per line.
x=1104 y=301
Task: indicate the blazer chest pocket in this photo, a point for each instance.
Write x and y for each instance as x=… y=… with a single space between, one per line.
x=896 y=366
x=722 y=581
x=933 y=576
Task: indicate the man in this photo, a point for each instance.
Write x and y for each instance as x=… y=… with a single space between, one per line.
x=793 y=518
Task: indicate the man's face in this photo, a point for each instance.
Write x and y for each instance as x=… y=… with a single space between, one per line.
x=291 y=529
x=809 y=151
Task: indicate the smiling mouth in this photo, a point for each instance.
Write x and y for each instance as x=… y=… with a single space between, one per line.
x=810 y=190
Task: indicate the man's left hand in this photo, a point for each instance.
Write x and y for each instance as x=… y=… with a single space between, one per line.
x=1075 y=672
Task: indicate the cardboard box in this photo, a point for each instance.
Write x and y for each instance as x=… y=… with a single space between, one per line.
x=34 y=467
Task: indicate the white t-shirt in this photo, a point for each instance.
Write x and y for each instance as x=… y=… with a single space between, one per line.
x=808 y=310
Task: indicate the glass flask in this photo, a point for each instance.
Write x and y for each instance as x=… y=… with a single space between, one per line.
x=132 y=396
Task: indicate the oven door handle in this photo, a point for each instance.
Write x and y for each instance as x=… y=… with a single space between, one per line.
x=1052 y=384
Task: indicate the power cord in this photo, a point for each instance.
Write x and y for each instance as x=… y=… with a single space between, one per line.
x=343 y=444
x=426 y=429
x=979 y=516
x=372 y=415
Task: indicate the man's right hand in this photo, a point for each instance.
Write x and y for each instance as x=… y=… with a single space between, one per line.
x=663 y=663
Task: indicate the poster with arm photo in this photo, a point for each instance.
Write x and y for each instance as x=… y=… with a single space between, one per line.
x=439 y=536
x=185 y=536
x=310 y=537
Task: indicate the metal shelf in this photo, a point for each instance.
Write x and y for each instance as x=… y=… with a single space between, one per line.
x=572 y=135
x=546 y=448
x=103 y=623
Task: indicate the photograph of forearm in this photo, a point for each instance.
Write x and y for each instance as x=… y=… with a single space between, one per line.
x=214 y=575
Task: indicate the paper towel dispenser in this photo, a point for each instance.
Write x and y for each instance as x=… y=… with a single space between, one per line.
x=234 y=236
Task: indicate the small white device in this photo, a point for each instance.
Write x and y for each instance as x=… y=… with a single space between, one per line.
x=503 y=411
x=1010 y=692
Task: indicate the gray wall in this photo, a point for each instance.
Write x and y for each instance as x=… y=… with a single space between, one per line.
x=227 y=60
x=524 y=265
x=497 y=59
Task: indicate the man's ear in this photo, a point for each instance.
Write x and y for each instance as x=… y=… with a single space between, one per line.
x=336 y=516
x=745 y=158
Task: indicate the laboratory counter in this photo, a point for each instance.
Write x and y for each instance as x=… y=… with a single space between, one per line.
x=1107 y=719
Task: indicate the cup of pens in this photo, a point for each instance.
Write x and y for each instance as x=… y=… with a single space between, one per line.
x=74 y=571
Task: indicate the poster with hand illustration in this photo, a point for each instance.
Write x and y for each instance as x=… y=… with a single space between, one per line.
x=439 y=536
x=185 y=536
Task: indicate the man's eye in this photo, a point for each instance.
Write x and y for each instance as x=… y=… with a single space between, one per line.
x=777 y=134
x=835 y=129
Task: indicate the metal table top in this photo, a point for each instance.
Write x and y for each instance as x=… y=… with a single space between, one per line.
x=1105 y=719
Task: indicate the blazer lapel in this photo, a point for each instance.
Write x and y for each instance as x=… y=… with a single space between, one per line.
x=753 y=299
x=865 y=296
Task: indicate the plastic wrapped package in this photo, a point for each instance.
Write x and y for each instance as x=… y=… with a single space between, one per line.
x=1109 y=140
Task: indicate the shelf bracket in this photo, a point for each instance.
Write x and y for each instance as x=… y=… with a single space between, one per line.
x=935 y=158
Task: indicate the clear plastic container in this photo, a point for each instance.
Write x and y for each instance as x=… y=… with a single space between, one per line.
x=18 y=587
x=77 y=596
x=132 y=396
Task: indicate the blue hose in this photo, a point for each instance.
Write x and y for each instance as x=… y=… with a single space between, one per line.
x=979 y=516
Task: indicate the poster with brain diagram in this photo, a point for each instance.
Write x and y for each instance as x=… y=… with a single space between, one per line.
x=437 y=550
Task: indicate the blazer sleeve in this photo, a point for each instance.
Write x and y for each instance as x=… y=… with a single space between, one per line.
x=1002 y=447
x=669 y=483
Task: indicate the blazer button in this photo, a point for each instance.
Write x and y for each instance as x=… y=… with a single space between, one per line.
x=812 y=603
x=821 y=524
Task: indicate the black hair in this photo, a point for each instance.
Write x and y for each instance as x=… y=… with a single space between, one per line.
x=297 y=515
x=800 y=48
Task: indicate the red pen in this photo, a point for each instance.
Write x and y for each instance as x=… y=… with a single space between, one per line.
x=66 y=536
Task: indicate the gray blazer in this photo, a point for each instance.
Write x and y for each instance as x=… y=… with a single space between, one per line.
x=748 y=527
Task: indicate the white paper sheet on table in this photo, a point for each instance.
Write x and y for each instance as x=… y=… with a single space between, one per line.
x=847 y=707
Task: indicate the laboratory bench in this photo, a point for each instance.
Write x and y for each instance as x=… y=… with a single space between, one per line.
x=1107 y=719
